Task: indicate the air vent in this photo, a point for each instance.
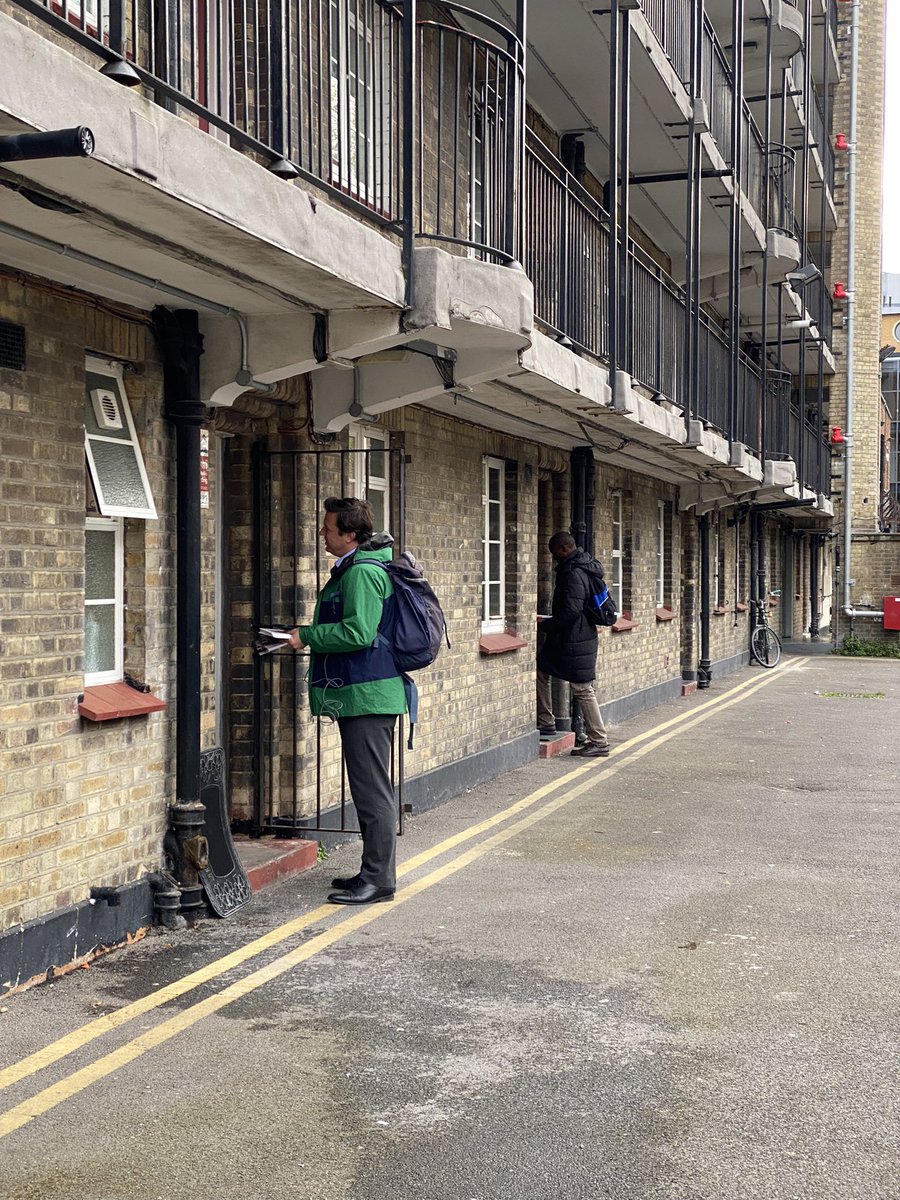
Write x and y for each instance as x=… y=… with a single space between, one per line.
x=106 y=408
x=12 y=346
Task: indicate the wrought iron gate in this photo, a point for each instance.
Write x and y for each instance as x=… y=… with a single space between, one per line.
x=299 y=777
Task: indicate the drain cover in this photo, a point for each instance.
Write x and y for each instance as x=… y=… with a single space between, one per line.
x=851 y=695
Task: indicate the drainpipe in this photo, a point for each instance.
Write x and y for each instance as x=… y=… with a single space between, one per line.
x=848 y=608
x=181 y=344
x=814 y=543
x=704 y=667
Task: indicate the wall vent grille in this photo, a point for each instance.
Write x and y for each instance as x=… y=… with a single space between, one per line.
x=12 y=346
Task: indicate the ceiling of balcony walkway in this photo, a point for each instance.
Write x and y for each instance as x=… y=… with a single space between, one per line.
x=568 y=82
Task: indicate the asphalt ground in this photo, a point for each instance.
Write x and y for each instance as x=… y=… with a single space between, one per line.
x=672 y=973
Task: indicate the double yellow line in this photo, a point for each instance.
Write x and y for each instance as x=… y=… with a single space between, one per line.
x=576 y=782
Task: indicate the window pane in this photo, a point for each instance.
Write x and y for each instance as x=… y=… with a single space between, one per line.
x=493 y=561
x=99 y=638
x=493 y=483
x=376 y=502
x=118 y=475
x=494 y=522
x=377 y=465
x=494 y=606
x=100 y=564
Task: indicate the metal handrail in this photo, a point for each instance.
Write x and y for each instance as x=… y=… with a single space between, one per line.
x=782 y=167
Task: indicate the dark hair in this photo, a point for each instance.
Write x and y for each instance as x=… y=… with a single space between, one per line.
x=561 y=541
x=353 y=516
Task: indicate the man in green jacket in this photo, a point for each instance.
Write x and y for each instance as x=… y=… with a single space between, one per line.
x=353 y=679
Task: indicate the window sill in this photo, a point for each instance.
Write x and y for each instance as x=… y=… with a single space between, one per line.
x=624 y=624
x=740 y=607
x=500 y=643
x=109 y=701
x=719 y=611
x=665 y=614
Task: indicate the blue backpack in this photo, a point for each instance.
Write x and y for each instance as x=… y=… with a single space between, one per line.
x=417 y=628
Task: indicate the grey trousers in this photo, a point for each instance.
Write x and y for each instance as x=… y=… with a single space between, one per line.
x=367 y=754
x=587 y=698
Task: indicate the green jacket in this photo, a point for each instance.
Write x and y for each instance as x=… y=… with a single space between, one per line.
x=352 y=673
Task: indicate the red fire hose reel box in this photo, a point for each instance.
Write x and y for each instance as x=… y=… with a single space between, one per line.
x=892 y=612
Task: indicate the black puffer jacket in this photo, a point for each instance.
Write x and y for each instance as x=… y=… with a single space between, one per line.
x=570 y=645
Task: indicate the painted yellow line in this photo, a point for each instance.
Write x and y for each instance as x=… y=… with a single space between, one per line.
x=89 y=1032
x=47 y=1099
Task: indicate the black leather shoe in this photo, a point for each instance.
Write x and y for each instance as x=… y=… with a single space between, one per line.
x=591 y=750
x=343 y=882
x=362 y=893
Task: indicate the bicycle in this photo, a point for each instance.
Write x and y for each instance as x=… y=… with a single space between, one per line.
x=765 y=644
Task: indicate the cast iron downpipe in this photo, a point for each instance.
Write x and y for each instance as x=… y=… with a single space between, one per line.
x=704 y=667
x=181 y=344
x=815 y=543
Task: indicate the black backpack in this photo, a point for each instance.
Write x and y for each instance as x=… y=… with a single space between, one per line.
x=599 y=607
x=418 y=628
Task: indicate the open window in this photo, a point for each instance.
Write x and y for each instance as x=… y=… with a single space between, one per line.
x=117 y=488
x=114 y=456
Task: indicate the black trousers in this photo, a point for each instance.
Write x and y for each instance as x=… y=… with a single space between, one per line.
x=367 y=754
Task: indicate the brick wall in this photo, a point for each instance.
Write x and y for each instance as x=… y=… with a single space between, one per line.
x=83 y=804
x=869 y=565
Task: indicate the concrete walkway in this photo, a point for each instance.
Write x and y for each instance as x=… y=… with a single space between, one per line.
x=673 y=973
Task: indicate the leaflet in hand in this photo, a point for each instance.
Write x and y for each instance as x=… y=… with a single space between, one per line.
x=271 y=638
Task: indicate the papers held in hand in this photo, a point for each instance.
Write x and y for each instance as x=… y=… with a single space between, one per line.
x=271 y=638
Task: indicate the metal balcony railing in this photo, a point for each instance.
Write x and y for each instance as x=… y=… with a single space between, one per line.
x=753 y=172
x=815 y=120
x=566 y=251
x=670 y=20
x=717 y=89
x=782 y=164
x=321 y=83
x=778 y=408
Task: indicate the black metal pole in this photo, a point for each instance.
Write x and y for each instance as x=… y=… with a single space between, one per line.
x=767 y=205
x=181 y=344
x=613 y=313
x=579 y=519
x=691 y=201
x=626 y=275
x=815 y=543
x=735 y=216
x=804 y=235
x=410 y=138
x=704 y=667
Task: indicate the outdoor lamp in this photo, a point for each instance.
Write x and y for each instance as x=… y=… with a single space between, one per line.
x=803 y=276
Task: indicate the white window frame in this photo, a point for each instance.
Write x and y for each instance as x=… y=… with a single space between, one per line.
x=714 y=547
x=113 y=372
x=616 y=554
x=115 y=525
x=493 y=622
x=364 y=482
x=661 y=554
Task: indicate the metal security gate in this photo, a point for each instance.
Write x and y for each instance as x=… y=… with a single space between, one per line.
x=299 y=776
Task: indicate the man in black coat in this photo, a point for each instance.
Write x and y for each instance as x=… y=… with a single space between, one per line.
x=570 y=644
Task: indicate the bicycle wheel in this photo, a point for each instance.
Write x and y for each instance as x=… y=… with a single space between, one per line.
x=765 y=646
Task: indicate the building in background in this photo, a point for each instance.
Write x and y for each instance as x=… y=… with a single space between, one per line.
x=500 y=271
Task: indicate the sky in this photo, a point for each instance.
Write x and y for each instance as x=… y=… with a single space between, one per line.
x=890 y=224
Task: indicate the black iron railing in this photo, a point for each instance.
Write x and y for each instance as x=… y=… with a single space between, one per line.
x=566 y=251
x=778 y=408
x=322 y=85
x=470 y=119
x=753 y=173
x=657 y=326
x=816 y=126
x=782 y=164
x=670 y=20
x=717 y=89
